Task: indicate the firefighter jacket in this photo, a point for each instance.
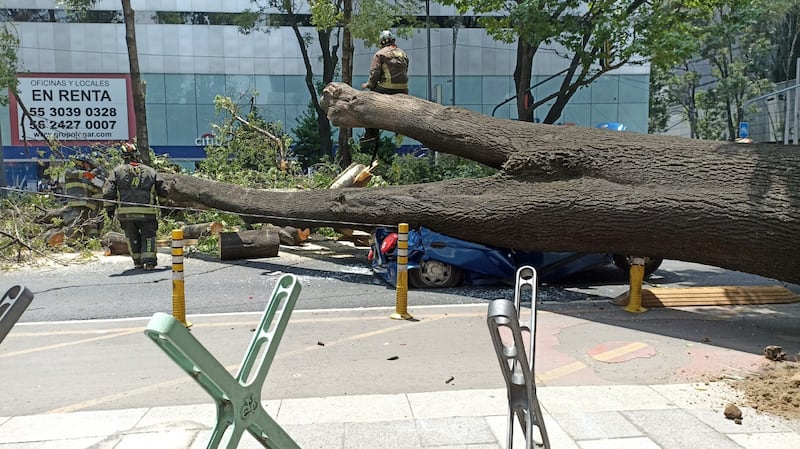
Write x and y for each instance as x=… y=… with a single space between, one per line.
x=388 y=72
x=84 y=188
x=136 y=187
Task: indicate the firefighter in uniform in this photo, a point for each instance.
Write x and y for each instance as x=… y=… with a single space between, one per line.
x=135 y=187
x=83 y=186
x=388 y=74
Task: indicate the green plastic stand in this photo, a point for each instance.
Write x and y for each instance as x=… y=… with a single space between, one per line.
x=238 y=399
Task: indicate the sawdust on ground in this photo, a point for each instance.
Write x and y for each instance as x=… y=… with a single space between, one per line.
x=774 y=390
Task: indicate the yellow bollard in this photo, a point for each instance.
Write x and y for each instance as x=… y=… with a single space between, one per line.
x=178 y=295
x=401 y=303
x=636 y=279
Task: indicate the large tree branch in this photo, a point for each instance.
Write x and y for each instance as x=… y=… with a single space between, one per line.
x=558 y=189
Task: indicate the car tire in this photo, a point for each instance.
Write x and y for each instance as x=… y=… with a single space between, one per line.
x=435 y=274
x=651 y=264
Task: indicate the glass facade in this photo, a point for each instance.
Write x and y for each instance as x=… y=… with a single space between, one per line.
x=187 y=58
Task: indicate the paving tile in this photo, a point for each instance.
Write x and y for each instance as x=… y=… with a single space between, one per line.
x=783 y=440
x=3 y=419
x=69 y=425
x=171 y=439
x=385 y=407
x=204 y=436
x=499 y=428
x=620 y=443
x=385 y=435
x=200 y=416
x=317 y=436
x=470 y=446
x=555 y=433
x=752 y=422
x=454 y=431
x=37 y=445
x=677 y=429
x=597 y=425
x=458 y=403
x=83 y=443
x=558 y=437
x=710 y=396
x=201 y=440
x=498 y=425
x=605 y=398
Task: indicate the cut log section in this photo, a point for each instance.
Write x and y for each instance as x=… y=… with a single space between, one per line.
x=115 y=244
x=196 y=231
x=290 y=235
x=248 y=244
x=711 y=296
x=356 y=175
x=54 y=237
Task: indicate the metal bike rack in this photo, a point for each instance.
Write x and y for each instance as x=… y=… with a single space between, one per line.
x=516 y=365
x=238 y=399
x=12 y=304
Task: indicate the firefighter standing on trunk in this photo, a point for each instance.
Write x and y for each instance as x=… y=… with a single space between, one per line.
x=388 y=74
x=135 y=187
x=83 y=183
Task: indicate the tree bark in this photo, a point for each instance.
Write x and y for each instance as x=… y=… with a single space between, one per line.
x=343 y=153
x=195 y=231
x=137 y=83
x=248 y=244
x=558 y=189
x=115 y=244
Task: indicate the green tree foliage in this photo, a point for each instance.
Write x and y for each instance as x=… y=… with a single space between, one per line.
x=782 y=25
x=307 y=148
x=259 y=19
x=715 y=59
x=598 y=36
x=245 y=155
x=415 y=169
x=9 y=42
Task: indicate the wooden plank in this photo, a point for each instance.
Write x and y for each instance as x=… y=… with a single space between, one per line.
x=712 y=296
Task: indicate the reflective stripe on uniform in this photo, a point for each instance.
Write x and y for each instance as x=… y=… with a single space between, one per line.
x=82 y=203
x=143 y=210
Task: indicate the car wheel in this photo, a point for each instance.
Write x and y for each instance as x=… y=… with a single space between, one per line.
x=651 y=264
x=435 y=274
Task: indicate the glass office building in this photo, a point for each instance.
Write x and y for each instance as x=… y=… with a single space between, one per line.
x=190 y=51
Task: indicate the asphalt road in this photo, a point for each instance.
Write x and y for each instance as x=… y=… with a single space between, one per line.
x=333 y=275
x=63 y=357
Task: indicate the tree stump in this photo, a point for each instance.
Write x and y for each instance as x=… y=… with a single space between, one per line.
x=248 y=244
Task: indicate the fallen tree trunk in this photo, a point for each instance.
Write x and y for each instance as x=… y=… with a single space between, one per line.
x=248 y=244
x=558 y=189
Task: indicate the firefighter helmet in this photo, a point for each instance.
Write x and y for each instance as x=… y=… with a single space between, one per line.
x=85 y=159
x=386 y=38
x=129 y=152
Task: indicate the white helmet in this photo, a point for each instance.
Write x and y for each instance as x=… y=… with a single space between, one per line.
x=386 y=38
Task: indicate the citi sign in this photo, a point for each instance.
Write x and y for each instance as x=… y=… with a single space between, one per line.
x=207 y=140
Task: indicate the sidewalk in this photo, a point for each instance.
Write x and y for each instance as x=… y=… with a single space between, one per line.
x=354 y=379
x=674 y=416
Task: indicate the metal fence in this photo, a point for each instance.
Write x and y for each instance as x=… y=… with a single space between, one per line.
x=774 y=117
